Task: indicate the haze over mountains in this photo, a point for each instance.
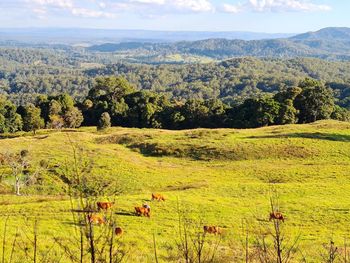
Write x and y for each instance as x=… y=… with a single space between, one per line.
x=328 y=43
x=180 y=47
x=78 y=35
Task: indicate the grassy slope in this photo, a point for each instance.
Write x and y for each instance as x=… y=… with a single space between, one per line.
x=308 y=164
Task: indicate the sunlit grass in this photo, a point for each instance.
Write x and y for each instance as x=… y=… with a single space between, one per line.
x=307 y=164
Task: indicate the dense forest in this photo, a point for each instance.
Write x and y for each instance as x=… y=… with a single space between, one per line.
x=114 y=101
x=27 y=72
x=59 y=86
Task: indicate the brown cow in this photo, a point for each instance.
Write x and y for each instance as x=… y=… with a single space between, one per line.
x=212 y=230
x=158 y=197
x=96 y=219
x=104 y=205
x=143 y=211
x=276 y=216
x=118 y=231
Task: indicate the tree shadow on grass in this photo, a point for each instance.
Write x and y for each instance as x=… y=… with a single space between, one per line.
x=306 y=135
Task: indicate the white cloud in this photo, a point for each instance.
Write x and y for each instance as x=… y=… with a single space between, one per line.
x=156 y=2
x=83 y=12
x=194 y=5
x=276 y=6
x=233 y=9
x=155 y=8
x=43 y=7
x=53 y=3
x=161 y=8
x=285 y=5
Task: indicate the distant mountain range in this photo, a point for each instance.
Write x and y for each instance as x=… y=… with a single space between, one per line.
x=144 y=46
x=329 y=43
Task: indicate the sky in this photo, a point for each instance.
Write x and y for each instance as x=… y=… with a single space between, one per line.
x=270 y=16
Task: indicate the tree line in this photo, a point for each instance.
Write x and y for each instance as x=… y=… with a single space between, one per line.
x=113 y=101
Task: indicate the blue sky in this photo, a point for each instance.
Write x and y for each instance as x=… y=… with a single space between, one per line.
x=272 y=16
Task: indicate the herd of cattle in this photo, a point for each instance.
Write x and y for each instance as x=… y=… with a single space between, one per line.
x=145 y=210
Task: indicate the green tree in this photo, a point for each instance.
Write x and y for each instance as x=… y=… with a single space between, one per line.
x=66 y=102
x=32 y=120
x=340 y=114
x=10 y=120
x=55 y=120
x=216 y=113
x=145 y=108
x=73 y=118
x=255 y=113
x=195 y=113
x=110 y=89
x=288 y=114
x=315 y=102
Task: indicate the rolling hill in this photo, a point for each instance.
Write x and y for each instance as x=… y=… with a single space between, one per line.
x=219 y=177
x=329 y=43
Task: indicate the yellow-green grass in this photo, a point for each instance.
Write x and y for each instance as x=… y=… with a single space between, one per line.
x=308 y=165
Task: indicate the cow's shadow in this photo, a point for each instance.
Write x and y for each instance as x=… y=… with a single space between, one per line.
x=125 y=213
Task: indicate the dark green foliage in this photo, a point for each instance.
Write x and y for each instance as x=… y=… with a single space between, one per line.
x=315 y=102
x=114 y=102
x=108 y=95
x=288 y=114
x=255 y=113
x=144 y=109
x=10 y=120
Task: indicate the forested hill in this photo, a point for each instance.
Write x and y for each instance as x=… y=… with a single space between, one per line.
x=24 y=73
x=329 y=43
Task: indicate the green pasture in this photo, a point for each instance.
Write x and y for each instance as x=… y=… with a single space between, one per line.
x=221 y=177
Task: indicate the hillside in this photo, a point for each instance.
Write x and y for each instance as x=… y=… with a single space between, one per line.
x=219 y=177
x=328 y=43
x=329 y=33
x=24 y=73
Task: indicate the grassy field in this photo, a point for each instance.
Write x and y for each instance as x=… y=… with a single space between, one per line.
x=218 y=177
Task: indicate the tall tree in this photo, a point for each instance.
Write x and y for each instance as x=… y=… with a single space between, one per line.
x=315 y=102
x=288 y=114
x=32 y=120
x=144 y=109
x=10 y=120
x=73 y=118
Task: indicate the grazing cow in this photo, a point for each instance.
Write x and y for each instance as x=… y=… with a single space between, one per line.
x=143 y=211
x=104 y=205
x=276 y=216
x=118 y=231
x=158 y=197
x=97 y=219
x=212 y=230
